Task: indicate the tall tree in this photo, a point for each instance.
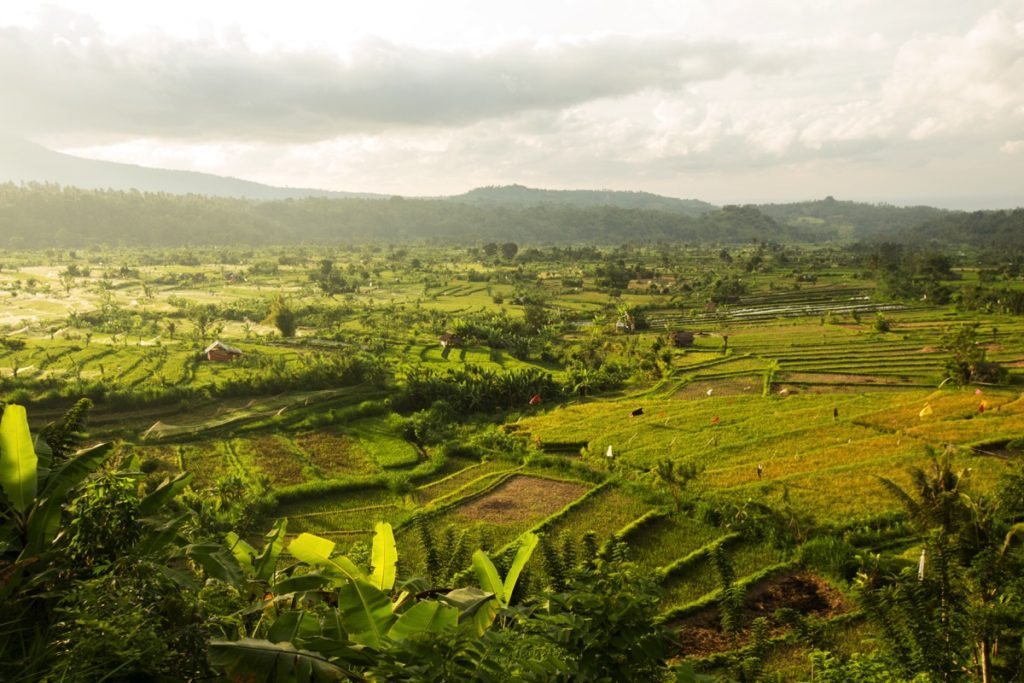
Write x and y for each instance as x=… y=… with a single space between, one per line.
x=283 y=317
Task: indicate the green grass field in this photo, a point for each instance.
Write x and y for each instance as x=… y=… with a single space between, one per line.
x=794 y=379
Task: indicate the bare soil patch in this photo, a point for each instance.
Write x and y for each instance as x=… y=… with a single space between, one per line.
x=521 y=498
x=830 y=383
x=701 y=634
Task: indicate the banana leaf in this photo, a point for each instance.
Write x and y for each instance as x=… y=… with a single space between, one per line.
x=260 y=661
x=426 y=616
x=273 y=543
x=365 y=612
x=316 y=551
x=163 y=493
x=526 y=548
x=18 y=461
x=487 y=574
x=385 y=557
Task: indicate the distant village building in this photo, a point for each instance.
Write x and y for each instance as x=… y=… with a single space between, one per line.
x=681 y=339
x=219 y=351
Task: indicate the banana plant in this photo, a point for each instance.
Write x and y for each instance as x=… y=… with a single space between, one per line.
x=374 y=613
x=34 y=490
x=259 y=565
x=487 y=573
x=32 y=495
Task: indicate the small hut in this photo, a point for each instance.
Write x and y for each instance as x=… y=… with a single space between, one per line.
x=219 y=351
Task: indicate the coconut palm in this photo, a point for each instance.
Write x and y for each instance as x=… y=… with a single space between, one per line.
x=964 y=601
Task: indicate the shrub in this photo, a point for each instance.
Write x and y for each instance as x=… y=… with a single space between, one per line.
x=830 y=555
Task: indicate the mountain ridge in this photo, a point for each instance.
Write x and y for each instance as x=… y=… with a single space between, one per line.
x=23 y=161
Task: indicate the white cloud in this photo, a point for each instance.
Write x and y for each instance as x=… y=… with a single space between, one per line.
x=797 y=98
x=68 y=77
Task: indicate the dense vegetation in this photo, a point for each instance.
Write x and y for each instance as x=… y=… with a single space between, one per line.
x=676 y=461
x=42 y=216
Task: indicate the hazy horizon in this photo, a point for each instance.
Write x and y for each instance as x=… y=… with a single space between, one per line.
x=727 y=102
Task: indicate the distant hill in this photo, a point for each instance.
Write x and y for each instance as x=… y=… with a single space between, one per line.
x=1001 y=230
x=24 y=161
x=518 y=195
x=48 y=215
x=52 y=199
x=835 y=219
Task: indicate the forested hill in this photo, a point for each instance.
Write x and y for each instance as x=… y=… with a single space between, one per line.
x=34 y=216
x=990 y=230
x=517 y=195
x=851 y=220
x=50 y=216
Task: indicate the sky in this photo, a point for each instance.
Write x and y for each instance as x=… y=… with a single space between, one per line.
x=729 y=101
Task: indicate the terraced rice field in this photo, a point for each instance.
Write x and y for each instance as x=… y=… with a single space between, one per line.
x=519 y=500
x=826 y=465
x=603 y=513
x=452 y=484
x=335 y=455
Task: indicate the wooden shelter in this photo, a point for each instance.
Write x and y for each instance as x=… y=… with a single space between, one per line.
x=219 y=351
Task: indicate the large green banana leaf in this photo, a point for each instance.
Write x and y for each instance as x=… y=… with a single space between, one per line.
x=384 y=557
x=260 y=661
x=365 y=612
x=426 y=616
x=18 y=461
x=526 y=548
x=316 y=551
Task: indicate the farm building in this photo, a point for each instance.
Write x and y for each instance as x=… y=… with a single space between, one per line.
x=219 y=351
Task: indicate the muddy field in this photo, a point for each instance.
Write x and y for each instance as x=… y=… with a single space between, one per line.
x=701 y=634
x=522 y=498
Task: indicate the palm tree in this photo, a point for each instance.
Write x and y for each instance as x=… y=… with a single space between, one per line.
x=966 y=595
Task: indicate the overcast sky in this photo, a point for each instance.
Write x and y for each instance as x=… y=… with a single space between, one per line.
x=723 y=100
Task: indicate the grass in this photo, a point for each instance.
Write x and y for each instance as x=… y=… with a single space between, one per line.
x=668 y=539
x=380 y=439
x=322 y=505
x=207 y=463
x=604 y=513
x=746 y=558
x=454 y=482
x=275 y=457
x=335 y=455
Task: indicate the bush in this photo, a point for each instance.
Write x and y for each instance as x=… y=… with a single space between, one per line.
x=830 y=555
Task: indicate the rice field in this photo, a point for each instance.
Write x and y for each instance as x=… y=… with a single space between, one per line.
x=789 y=397
x=603 y=513
x=668 y=539
x=747 y=559
x=823 y=451
x=454 y=482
